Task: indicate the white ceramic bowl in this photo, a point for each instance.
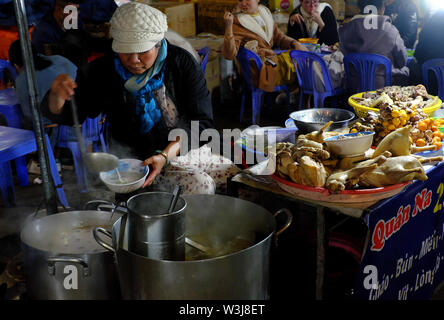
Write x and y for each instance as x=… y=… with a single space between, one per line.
x=132 y=176
x=350 y=144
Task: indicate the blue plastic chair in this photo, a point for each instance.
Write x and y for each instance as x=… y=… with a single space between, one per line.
x=204 y=53
x=5 y=65
x=303 y=62
x=365 y=65
x=437 y=67
x=92 y=133
x=257 y=95
x=10 y=109
x=15 y=143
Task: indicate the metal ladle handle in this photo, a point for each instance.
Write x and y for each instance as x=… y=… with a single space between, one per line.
x=176 y=193
x=75 y=119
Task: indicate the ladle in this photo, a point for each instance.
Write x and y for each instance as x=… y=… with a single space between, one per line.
x=176 y=193
x=94 y=161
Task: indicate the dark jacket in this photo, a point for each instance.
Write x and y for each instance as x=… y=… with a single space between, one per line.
x=101 y=90
x=328 y=35
x=428 y=47
x=404 y=15
x=73 y=44
x=384 y=39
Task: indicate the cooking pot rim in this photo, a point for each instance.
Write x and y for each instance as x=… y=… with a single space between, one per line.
x=153 y=217
x=267 y=238
x=28 y=231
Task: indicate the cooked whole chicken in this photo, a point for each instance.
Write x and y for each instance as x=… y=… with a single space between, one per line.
x=343 y=179
x=308 y=172
x=398 y=143
x=397 y=170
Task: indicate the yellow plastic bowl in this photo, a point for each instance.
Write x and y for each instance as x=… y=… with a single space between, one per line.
x=362 y=111
x=309 y=40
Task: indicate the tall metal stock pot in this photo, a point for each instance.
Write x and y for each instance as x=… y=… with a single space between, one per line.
x=62 y=261
x=237 y=236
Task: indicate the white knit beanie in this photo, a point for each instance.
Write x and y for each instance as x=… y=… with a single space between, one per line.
x=137 y=27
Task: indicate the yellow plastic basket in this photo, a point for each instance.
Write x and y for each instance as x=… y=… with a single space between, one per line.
x=362 y=111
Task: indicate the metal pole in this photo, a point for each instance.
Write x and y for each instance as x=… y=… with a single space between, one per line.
x=25 y=43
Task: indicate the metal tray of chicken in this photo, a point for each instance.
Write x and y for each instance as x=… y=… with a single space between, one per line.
x=368 y=196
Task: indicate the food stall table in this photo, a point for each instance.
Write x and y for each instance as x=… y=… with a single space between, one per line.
x=393 y=237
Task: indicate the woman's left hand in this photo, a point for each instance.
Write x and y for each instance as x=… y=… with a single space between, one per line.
x=157 y=162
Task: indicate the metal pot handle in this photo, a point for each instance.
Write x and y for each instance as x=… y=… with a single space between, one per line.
x=96 y=232
x=96 y=204
x=287 y=224
x=52 y=261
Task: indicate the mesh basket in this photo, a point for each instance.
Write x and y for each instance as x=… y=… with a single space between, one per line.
x=362 y=111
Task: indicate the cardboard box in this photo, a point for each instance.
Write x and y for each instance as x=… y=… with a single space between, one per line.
x=215 y=43
x=351 y=8
x=212 y=72
x=210 y=15
x=180 y=16
x=338 y=7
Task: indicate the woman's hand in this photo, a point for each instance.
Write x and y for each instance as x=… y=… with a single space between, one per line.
x=296 y=17
x=228 y=19
x=157 y=162
x=298 y=46
x=62 y=89
x=317 y=18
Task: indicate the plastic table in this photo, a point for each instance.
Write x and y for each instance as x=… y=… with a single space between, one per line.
x=11 y=110
x=16 y=143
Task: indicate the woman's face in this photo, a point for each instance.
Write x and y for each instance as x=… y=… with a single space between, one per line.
x=310 y=5
x=138 y=63
x=248 y=6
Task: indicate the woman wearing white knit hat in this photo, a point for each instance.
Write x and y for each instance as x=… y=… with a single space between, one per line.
x=146 y=87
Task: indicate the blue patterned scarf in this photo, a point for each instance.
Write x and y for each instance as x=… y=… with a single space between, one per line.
x=143 y=87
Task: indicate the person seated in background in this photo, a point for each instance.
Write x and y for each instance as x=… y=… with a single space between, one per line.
x=47 y=68
x=312 y=19
x=50 y=36
x=428 y=47
x=150 y=91
x=373 y=33
x=404 y=15
x=252 y=26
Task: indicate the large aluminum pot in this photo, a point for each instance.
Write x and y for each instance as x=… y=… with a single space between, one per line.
x=154 y=232
x=211 y=220
x=62 y=261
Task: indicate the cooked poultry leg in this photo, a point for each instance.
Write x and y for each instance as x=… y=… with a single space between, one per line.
x=318 y=135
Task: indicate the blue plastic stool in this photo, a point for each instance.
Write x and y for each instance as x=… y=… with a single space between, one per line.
x=437 y=67
x=16 y=143
x=365 y=65
x=204 y=53
x=92 y=133
x=257 y=95
x=303 y=62
x=10 y=109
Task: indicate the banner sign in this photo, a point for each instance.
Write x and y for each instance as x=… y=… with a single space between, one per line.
x=405 y=251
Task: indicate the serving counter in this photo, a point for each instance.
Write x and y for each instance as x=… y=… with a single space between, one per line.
x=404 y=244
